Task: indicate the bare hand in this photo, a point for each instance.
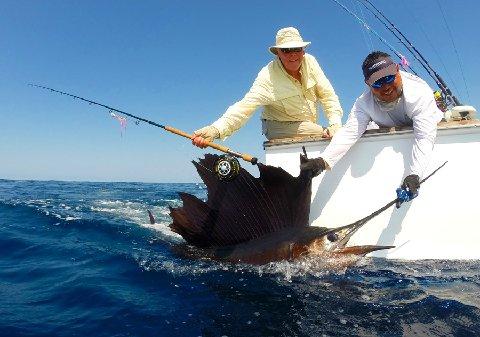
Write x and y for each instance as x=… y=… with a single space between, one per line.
x=326 y=133
x=199 y=141
x=331 y=130
x=205 y=135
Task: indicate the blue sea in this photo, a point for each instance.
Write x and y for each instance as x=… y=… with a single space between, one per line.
x=81 y=259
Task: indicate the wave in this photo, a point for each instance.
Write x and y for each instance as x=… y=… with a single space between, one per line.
x=81 y=258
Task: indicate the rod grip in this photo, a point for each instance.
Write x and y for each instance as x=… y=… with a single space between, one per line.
x=225 y=149
x=215 y=146
x=249 y=158
x=218 y=147
x=189 y=136
x=178 y=132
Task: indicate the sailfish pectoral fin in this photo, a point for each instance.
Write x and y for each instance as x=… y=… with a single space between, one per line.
x=362 y=250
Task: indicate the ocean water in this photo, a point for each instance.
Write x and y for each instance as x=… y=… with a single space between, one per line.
x=80 y=259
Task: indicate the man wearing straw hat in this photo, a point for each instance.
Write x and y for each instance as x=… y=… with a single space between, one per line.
x=289 y=88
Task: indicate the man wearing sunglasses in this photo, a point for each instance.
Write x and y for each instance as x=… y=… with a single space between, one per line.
x=393 y=98
x=289 y=88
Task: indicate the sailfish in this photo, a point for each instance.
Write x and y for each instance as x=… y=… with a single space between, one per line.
x=259 y=220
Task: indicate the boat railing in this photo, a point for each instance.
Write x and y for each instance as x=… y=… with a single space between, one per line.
x=443 y=125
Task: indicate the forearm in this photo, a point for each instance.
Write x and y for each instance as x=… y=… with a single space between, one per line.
x=235 y=117
x=339 y=146
x=425 y=131
x=421 y=153
x=345 y=137
x=238 y=114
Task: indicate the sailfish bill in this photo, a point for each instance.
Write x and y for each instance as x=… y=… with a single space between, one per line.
x=258 y=220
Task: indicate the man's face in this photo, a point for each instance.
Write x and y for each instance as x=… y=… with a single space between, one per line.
x=389 y=92
x=291 y=58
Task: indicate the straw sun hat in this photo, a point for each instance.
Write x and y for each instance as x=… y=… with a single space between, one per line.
x=288 y=38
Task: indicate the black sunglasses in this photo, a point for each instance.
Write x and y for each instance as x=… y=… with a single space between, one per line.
x=291 y=50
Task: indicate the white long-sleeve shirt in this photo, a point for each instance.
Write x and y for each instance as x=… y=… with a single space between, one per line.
x=284 y=98
x=416 y=107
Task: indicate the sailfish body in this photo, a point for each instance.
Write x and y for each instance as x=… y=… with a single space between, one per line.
x=258 y=220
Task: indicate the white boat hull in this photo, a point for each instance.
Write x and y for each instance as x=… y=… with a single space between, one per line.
x=443 y=222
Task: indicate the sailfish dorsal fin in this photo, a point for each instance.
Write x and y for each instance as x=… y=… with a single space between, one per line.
x=242 y=209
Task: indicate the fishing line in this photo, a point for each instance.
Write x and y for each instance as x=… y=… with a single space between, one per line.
x=216 y=236
x=227 y=175
x=454 y=48
x=250 y=181
x=251 y=230
x=366 y=37
x=206 y=168
x=432 y=45
x=402 y=58
x=267 y=202
x=398 y=247
x=368 y=28
x=366 y=33
x=245 y=231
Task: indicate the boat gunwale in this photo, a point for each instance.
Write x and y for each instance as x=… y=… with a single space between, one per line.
x=398 y=130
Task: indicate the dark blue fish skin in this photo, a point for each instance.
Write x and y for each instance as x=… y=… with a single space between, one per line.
x=257 y=220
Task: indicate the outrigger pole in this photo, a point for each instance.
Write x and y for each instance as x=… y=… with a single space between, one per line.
x=224 y=149
x=367 y=27
x=411 y=48
x=408 y=45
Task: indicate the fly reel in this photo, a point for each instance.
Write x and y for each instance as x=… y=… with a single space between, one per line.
x=226 y=167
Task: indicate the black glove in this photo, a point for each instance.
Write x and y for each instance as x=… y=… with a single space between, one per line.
x=313 y=166
x=412 y=183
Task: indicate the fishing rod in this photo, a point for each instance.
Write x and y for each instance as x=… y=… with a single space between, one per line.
x=411 y=48
x=226 y=167
x=396 y=201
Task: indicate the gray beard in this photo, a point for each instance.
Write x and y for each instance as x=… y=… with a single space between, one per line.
x=389 y=106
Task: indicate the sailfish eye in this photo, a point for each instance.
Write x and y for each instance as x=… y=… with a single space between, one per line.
x=332 y=237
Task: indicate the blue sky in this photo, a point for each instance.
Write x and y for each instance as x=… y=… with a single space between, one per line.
x=182 y=63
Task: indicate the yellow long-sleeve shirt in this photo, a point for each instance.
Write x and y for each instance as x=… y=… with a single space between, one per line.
x=284 y=98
